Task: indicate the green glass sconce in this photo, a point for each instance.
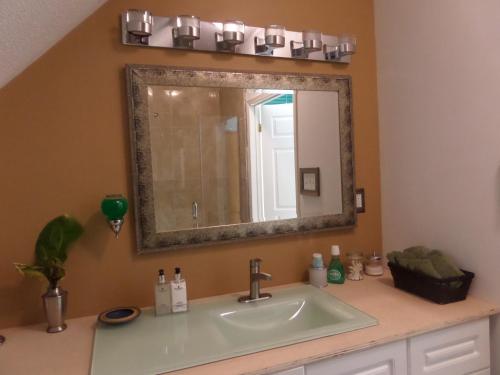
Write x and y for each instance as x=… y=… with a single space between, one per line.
x=114 y=207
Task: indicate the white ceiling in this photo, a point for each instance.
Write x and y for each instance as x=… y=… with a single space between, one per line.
x=28 y=28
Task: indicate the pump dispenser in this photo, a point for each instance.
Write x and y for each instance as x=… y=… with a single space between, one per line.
x=178 y=292
x=317 y=271
x=162 y=295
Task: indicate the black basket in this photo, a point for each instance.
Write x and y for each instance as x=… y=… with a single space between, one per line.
x=441 y=291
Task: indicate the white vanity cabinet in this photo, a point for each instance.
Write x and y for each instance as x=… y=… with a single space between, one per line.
x=294 y=371
x=463 y=349
x=389 y=359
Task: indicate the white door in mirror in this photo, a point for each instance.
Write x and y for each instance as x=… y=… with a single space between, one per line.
x=278 y=162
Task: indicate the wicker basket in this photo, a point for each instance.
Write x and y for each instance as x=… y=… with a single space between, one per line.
x=441 y=291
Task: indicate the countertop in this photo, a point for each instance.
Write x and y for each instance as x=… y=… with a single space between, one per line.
x=30 y=350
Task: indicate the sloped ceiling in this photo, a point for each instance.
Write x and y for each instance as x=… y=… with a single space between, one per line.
x=28 y=28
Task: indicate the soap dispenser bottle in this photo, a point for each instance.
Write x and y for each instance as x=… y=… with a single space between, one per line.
x=162 y=295
x=318 y=272
x=336 y=273
x=178 y=292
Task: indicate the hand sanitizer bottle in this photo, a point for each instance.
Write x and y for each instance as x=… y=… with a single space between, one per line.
x=162 y=295
x=178 y=292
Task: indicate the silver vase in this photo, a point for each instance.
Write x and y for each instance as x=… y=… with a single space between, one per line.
x=54 y=304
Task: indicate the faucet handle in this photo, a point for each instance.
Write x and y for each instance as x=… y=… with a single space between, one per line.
x=255 y=262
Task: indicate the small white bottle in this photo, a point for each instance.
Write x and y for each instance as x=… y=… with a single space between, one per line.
x=317 y=272
x=178 y=293
x=162 y=295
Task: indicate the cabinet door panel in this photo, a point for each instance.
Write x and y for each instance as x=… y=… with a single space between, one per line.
x=457 y=350
x=486 y=371
x=389 y=359
x=292 y=371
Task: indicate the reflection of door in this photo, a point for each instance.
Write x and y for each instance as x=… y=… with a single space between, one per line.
x=278 y=161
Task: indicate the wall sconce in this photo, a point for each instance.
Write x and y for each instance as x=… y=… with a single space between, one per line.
x=233 y=33
x=185 y=31
x=139 y=24
x=274 y=37
x=311 y=42
x=114 y=207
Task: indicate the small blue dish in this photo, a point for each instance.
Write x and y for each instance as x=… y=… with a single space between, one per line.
x=119 y=315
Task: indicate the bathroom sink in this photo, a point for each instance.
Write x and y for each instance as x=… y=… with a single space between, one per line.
x=292 y=314
x=220 y=328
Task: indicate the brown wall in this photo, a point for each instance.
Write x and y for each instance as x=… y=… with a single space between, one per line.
x=64 y=145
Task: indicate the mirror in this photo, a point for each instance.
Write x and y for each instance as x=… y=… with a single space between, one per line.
x=226 y=156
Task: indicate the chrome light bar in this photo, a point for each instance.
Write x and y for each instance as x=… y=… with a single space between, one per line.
x=141 y=28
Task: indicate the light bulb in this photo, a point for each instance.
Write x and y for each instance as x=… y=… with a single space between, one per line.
x=139 y=22
x=187 y=27
x=275 y=36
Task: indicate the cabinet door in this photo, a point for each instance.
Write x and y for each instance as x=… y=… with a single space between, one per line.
x=457 y=350
x=389 y=359
x=293 y=371
x=486 y=371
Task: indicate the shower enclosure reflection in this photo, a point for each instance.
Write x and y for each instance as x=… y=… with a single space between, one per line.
x=223 y=155
x=196 y=134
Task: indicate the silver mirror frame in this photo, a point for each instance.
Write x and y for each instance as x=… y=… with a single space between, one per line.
x=139 y=77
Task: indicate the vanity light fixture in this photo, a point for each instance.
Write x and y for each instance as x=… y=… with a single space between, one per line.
x=185 y=31
x=114 y=207
x=331 y=50
x=274 y=37
x=139 y=25
x=141 y=28
x=311 y=42
x=347 y=45
x=233 y=33
x=342 y=46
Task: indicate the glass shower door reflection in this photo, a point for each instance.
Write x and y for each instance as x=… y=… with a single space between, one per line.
x=195 y=142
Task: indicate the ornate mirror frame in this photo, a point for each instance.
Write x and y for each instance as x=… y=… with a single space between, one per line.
x=148 y=240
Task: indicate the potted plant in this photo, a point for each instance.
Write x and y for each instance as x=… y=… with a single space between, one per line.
x=51 y=251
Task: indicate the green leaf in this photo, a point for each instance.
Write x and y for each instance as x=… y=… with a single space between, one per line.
x=51 y=249
x=55 y=238
x=30 y=271
x=42 y=255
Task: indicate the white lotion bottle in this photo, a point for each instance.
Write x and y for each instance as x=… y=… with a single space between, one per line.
x=178 y=292
x=162 y=295
x=317 y=272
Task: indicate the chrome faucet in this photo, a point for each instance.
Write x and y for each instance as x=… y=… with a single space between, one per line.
x=255 y=277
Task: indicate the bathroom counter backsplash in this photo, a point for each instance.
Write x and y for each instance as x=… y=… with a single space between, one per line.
x=30 y=350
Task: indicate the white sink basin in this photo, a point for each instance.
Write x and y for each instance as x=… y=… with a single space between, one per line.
x=291 y=315
x=221 y=328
